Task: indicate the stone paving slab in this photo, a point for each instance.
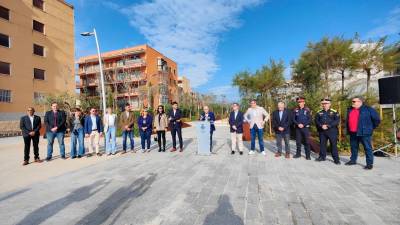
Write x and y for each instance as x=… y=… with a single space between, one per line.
x=183 y=188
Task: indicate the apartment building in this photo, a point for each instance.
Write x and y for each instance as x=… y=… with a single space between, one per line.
x=36 y=53
x=138 y=75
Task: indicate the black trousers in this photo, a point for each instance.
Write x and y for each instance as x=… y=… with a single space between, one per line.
x=302 y=135
x=161 y=142
x=174 y=131
x=332 y=136
x=27 y=141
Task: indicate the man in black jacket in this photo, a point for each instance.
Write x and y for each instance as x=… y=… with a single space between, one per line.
x=281 y=120
x=30 y=126
x=55 y=121
x=175 y=124
x=236 y=128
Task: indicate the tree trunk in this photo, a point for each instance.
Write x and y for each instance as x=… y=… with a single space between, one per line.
x=368 y=80
x=342 y=82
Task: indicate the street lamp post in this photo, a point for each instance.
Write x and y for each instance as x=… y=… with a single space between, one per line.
x=103 y=91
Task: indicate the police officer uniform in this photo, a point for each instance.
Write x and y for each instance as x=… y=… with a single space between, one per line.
x=330 y=118
x=302 y=116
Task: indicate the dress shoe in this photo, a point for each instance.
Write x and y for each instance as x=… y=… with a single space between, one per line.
x=232 y=152
x=73 y=157
x=159 y=150
x=123 y=152
x=368 y=167
x=63 y=157
x=240 y=153
x=48 y=159
x=163 y=150
x=25 y=163
x=319 y=159
x=296 y=156
x=99 y=154
x=181 y=150
x=350 y=163
x=278 y=154
x=337 y=162
x=173 y=150
x=38 y=160
x=287 y=155
x=79 y=156
x=308 y=158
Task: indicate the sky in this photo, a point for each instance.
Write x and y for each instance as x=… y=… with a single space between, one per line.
x=212 y=40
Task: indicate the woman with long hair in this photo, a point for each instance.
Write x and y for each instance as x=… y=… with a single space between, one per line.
x=145 y=123
x=161 y=126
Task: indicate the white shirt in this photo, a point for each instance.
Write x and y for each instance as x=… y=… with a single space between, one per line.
x=31 y=118
x=94 y=125
x=236 y=113
x=127 y=114
x=111 y=120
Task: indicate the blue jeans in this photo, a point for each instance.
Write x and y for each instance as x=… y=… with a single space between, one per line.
x=77 y=139
x=145 y=137
x=126 y=134
x=111 y=145
x=366 y=142
x=253 y=132
x=50 y=141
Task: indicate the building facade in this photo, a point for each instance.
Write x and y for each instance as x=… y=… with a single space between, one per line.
x=36 y=53
x=139 y=75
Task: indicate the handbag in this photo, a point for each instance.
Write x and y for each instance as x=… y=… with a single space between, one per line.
x=155 y=137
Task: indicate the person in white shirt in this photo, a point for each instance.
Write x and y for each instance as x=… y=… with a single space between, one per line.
x=109 y=121
x=256 y=116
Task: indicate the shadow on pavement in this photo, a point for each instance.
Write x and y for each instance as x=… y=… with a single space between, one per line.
x=120 y=199
x=43 y=213
x=224 y=214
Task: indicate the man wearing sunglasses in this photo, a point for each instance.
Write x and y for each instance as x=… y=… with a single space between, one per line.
x=361 y=121
x=327 y=120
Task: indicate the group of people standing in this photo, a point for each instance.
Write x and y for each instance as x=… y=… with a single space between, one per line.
x=93 y=127
x=361 y=120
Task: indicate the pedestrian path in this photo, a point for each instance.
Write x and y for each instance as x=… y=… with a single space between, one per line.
x=184 y=188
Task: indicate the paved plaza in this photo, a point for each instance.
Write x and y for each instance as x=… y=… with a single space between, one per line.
x=184 y=188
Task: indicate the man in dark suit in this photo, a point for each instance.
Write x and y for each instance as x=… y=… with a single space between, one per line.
x=236 y=128
x=175 y=124
x=30 y=126
x=55 y=121
x=281 y=121
x=207 y=115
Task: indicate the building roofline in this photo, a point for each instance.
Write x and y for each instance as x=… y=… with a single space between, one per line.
x=118 y=52
x=66 y=3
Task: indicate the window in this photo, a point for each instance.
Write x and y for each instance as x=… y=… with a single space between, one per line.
x=38 y=74
x=38 y=4
x=5 y=95
x=4 y=40
x=4 y=13
x=4 y=68
x=38 y=97
x=38 y=50
x=38 y=26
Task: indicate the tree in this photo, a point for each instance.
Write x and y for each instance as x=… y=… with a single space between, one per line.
x=370 y=58
x=263 y=83
x=347 y=61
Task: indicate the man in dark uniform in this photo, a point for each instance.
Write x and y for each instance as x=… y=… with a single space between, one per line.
x=327 y=120
x=302 y=121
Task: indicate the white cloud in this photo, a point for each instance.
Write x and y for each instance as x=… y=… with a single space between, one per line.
x=390 y=26
x=187 y=31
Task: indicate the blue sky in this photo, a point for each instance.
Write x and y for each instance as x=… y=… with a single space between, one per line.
x=211 y=40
